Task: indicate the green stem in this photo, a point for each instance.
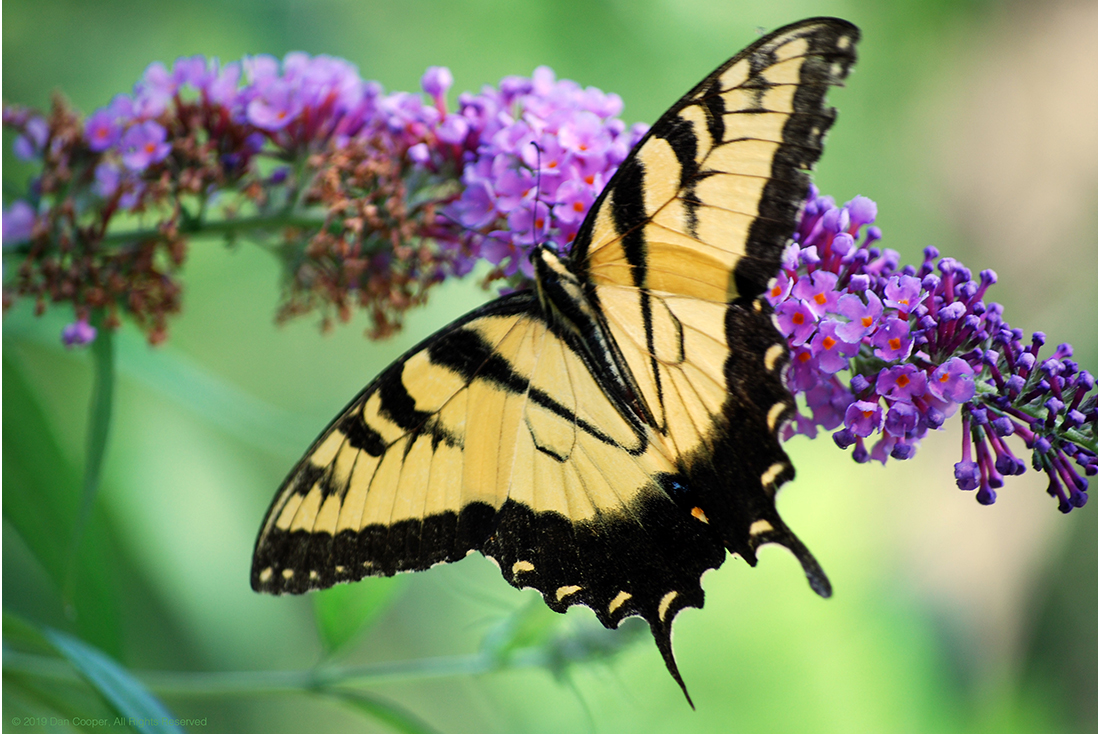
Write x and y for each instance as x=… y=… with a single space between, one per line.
x=322 y=679
x=286 y=218
x=1074 y=435
x=99 y=425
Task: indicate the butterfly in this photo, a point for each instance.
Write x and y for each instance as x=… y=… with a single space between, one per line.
x=609 y=435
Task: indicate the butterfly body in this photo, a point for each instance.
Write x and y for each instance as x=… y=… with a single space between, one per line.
x=609 y=436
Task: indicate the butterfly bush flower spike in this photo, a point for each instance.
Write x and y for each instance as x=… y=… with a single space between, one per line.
x=378 y=197
x=917 y=346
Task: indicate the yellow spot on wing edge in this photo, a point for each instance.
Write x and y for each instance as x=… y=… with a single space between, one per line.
x=520 y=566
x=288 y=573
x=773 y=471
x=621 y=598
x=775 y=351
x=564 y=591
x=266 y=575
x=666 y=602
x=773 y=414
x=759 y=527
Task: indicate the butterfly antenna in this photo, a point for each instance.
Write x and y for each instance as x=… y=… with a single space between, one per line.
x=538 y=192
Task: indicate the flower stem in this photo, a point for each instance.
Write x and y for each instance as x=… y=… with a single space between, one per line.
x=277 y=220
x=99 y=426
x=320 y=679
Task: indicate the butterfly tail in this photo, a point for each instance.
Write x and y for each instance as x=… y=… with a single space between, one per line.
x=819 y=582
x=662 y=634
x=781 y=535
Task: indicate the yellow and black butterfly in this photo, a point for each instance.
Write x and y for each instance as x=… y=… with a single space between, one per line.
x=607 y=437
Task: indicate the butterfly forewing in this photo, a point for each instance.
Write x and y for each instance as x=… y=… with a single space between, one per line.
x=710 y=196
x=496 y=410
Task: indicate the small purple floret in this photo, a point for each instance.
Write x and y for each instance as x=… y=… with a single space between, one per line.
x=19 y=222
x=953 y=381
x=143 y=145
x=101 y=131
x=892 y=341
x=967 y=475
x=863 y=418
x=78 y=334
x=436 y=81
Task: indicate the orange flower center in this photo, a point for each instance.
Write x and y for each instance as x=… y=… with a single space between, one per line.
x=578 y=207
x=903 y=380
x=895 y=343
x=798 y=318
x=828 y=342
x=866 y=320
x=820 y=299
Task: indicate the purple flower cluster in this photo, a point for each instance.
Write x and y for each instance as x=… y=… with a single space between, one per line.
x=918 y=345
x=411 y=192
x=538 y=152
x=300 y=104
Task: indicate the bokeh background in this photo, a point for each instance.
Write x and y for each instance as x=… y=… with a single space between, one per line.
x=973 y=124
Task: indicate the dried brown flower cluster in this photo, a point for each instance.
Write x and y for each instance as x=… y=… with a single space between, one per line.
x=376 y=249
x=69 y=257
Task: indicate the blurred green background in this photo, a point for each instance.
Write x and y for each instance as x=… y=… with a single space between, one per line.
x=972 y=124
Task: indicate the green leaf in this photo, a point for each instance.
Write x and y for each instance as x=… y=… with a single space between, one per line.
x=386 y=712
x=57 y=702
x=24 y=634
x=195 y=388
x=345 y=611
x=99 y=429
x=40 y=502
x=125 y=694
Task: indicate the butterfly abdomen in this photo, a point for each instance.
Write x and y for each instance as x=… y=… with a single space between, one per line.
x=569 y=306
